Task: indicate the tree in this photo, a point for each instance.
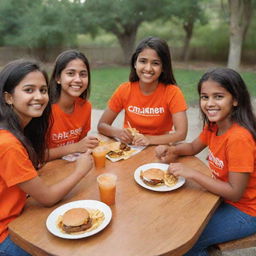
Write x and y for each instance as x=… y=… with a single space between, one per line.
x=10 y=11
x=188 y=13
x=240 y=17
x=40 y=25
x=120 y=17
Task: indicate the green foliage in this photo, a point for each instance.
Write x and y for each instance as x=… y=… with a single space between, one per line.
x=38 y=24
x=251 y=35
x=64 y=23
x=46 y=25
x=103 y=39
x=219 y=38
x=167 y=30
x=120 y=17
x=10 y=12
x=186 y=10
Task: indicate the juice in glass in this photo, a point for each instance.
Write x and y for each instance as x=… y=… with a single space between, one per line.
x=99 y=156
x=107 y=187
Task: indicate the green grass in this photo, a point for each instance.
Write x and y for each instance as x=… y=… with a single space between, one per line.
x=106 y=80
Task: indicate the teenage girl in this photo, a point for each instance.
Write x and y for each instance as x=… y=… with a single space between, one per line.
x=71 y=110
x=152 y=101
x=24 y=121
x=229 y=133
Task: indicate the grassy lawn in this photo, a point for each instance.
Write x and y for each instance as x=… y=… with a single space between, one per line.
x=106 y=80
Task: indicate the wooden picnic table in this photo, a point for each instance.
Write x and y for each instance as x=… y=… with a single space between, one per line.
x=143 y=222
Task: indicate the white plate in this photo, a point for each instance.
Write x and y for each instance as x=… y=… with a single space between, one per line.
x=164 y=167
x=71 y=157
x=136 y=151
x=51 y=222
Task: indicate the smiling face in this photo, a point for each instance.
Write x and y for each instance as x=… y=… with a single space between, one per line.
x=217 y=104
x=30 y=97
x=148 y=67
x=73 y=79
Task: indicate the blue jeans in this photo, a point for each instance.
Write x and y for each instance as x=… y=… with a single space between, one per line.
x=227 y=223
x=9 y=248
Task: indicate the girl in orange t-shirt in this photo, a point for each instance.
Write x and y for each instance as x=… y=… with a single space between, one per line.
x=152 y=101
x=24 y=122
x=71 y=110
x=229 y=133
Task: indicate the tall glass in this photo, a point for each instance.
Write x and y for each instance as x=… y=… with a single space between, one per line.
x=99 y=156
x=107 y=187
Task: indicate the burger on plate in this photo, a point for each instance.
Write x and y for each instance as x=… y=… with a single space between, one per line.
x=153 y=176
x=76 y=220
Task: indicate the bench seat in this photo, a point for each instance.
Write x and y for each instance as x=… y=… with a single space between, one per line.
x=246 y=242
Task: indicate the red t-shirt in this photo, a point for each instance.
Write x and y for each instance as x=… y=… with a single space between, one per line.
x=233 y=151
x=149 y=114
x=70 y=128
x=15 y=168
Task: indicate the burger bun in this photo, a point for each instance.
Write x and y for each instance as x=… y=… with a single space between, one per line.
x=153 y=176
x=76 y=220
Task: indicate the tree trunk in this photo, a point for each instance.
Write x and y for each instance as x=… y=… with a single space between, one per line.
x=188 y=27
x=240 y=16
x=127 y=43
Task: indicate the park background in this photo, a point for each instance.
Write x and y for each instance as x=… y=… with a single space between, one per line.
x=201 y=34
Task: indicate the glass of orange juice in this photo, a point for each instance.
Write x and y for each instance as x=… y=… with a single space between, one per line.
x=99 y=156
x=107 y=187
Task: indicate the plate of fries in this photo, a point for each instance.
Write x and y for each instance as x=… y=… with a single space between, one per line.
x=170 y=182
x=99 y=212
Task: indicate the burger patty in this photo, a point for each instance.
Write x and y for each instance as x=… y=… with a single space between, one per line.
x=115 y=154
x=153 y=182
x=124 y=147
x=83 y=227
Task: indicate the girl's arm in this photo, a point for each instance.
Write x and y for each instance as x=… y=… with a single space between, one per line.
x=180 y=123
x=105 y=127
x=49 y=195
x=168 y=154
x=231 y=190
x=88 y=142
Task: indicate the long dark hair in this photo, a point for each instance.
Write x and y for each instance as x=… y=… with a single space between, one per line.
x=235 y=85
x=162 y=49
x=61 y=62
x=33 y=136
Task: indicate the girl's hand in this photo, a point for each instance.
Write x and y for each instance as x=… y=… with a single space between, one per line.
x=140 y=140
x=88 y=142
x=178 y=169
x=84 y=163
x=166 y=153
x=125 y=136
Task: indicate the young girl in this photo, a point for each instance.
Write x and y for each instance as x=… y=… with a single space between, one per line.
x=71 y=111
x=24 y=118
x=152 y=101
x=230 y=133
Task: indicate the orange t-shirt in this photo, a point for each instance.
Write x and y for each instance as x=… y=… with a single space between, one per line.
x=70 y=128
x=233 y=151
x=15 y=168
x=149 y=114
